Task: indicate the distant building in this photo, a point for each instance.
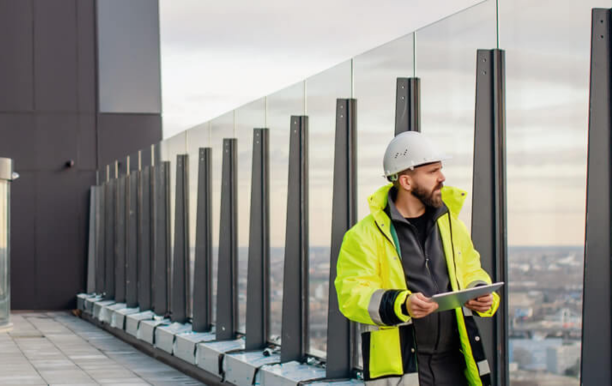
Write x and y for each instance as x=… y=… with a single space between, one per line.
x=560 y=359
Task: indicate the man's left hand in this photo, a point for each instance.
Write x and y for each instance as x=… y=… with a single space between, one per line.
x=481 y=304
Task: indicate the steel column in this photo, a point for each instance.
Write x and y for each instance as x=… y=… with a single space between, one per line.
x=144 y=239
x=407 y=105
x=180 y=271
x=109 y=239
x=156 y=155
x=131 y=271
x=597 y=299
x=489 y=200
x=258 y=285
x=120 y=242
x=202 y=282
x=340 y=331
x=100 y=240
x=91 y=247
x=161 y=251
x=227 y=275
x=295 y=281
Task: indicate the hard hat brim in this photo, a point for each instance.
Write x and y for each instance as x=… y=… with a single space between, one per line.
x=441 y=158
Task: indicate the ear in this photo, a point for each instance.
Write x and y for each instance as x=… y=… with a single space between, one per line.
x=405 y=181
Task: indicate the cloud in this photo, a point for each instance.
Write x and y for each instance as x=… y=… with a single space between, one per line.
x=217 y=56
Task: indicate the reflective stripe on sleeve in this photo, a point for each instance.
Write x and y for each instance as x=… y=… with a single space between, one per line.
x=372 y=327
x=367 y=327
x=374 y=306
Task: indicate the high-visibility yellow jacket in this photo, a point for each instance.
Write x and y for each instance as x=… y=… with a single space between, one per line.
x=370 y=272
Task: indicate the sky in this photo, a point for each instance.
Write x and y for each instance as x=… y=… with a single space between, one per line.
x=218 y=57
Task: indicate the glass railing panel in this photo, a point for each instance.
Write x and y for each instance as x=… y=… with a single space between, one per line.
x=322 y=91
x=547 y=91
x=248 y=117
x=172 y=147
x=220 y=128
x=281 y=106
x=375 y=74
x=197 y=137
x=446 y=64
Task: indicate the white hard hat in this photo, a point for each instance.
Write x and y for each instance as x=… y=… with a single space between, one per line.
x=409 y=150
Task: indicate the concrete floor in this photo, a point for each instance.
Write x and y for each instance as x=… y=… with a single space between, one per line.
x=56 y=348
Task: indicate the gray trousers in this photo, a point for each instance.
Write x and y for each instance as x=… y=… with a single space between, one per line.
x=446 y=369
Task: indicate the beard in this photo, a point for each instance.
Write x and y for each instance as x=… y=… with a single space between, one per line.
x=431 y=198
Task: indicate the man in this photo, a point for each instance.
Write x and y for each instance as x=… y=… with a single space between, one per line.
x=410 y=247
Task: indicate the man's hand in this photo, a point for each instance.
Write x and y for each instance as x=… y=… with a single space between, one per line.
x=419 y=306
x=481 y=304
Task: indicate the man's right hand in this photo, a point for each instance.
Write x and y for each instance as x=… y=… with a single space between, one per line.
x=419 y=305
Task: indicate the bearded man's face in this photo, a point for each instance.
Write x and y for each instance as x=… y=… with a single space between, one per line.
x=427 y=183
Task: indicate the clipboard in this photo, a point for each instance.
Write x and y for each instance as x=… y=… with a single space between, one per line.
x=456 y=299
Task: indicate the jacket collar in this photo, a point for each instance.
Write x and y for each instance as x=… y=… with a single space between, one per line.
x=395 y=215
x=452 y=197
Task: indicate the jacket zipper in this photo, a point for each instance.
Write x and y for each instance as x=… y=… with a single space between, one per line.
x=421 y=247
x=430 y=275
x=433 y=279
x=426 y=257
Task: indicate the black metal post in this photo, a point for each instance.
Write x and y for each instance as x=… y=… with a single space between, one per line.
x=202 y=285
x=489 y=201
x=258 y=288
x=295 y=281
x=161 y=251
x=91 y=247
x=100 y=240
x=144 y=239
x=120 y=242
x=131 y=271
x=180 y=271
x=597 y=298
x=109 y=238
x=227 y=275
x=407 y=105
x=340 y=331
x=156 y=156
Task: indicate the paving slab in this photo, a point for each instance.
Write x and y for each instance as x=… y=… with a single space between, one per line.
x=57 y=348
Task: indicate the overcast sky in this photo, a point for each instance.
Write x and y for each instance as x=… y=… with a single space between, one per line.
x=219 y=55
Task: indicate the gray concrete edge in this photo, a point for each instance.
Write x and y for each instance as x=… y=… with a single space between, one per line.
x=179 y=364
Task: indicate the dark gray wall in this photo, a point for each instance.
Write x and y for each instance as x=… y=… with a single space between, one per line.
x=49 y=115
x=131 y=85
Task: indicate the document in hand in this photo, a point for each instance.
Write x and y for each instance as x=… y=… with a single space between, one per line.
x=456 y=299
